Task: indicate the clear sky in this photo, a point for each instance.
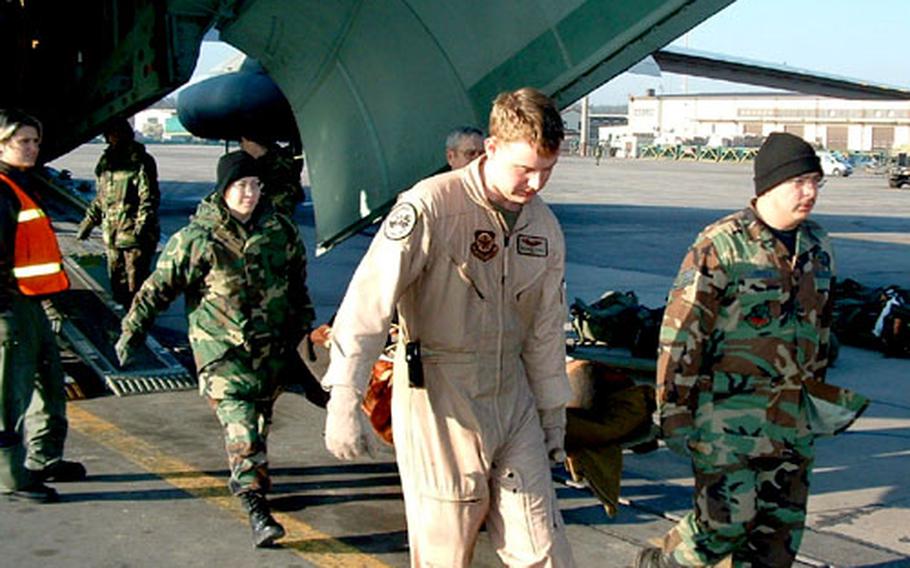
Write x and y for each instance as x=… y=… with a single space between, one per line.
x=867 y=40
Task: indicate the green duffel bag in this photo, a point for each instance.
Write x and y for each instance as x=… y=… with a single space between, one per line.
x=611 y=320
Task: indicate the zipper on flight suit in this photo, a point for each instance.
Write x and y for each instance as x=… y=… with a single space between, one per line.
x=504 y=294
x=502 y=303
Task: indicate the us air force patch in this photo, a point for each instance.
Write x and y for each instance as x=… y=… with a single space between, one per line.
x=759 y=317
x=484 y=246
x=400 y=222
x=530 y=245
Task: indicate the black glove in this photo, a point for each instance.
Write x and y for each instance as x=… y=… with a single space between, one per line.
x=85 y=229
x=310 y=349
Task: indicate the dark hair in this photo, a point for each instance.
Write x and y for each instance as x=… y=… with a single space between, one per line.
x=12 y=119
x=121 y=127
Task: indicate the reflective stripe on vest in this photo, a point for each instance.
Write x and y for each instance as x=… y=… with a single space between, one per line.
x=30 y=215
x=37 y=264
x=37 y=270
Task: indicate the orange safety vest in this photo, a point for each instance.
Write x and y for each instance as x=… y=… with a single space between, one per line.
x=38 y=264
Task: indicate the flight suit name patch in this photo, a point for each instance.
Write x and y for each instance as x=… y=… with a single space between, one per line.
x=484 y=246
x=530 y=245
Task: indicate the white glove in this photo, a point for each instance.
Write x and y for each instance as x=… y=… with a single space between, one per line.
x=54 y=317
x=553 y=422
x=346 y=435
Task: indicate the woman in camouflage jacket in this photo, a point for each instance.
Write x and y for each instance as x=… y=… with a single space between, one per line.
x=242 y=269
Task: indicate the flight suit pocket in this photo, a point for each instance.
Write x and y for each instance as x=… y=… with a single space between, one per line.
x=529 y=513
x=458 y=370
x=464 y=274
x=449 y=518
x=526 y=272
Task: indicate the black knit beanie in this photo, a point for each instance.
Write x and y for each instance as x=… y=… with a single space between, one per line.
x=783 y=156
x=234 y=166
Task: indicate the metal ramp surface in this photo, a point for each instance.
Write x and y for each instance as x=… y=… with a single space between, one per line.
x=92 y=326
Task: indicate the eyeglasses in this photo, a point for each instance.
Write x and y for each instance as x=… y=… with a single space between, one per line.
x=809 y=181
x=247 y=185
x=471 y=153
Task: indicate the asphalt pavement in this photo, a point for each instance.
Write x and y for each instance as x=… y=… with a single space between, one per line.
x=156 y=492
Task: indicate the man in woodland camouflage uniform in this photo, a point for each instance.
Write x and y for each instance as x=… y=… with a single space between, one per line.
x=126 y=207
x=242 y=268
x=279 y=172
x=744 y=341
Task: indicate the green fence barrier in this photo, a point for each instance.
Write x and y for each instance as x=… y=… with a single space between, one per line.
x=697 y=153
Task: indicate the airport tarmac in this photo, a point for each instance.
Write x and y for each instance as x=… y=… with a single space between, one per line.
x=156 y=492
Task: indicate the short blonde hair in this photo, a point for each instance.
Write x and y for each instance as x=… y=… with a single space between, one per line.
x=12 y=120
x=527 y=115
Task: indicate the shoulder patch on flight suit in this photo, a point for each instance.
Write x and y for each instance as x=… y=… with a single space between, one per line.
x=400 y=222
x=484 y=246
x=530 y=245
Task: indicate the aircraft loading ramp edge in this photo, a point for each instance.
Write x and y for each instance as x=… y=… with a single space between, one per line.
x=92 y=327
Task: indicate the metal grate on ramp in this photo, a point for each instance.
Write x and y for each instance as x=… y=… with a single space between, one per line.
x=127 y=384
x=163 y=373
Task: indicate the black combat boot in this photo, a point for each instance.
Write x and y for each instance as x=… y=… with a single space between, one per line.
x=653 y=557
x=35 y=492
x=60 y=471
x=265 y=528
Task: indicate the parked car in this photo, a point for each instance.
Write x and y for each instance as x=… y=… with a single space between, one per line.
x=833 y=165
x=899 y=172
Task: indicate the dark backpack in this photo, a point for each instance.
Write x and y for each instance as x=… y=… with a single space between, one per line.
x=612 y=320
x=648 y=333
x=873 y=318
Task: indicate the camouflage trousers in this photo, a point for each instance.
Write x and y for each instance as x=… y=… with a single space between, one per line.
x=242 y=399
x=127 y=269
x=754 y=511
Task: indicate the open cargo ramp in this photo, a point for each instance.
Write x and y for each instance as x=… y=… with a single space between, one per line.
x=91 y=326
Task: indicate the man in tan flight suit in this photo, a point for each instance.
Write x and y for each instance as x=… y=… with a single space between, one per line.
x=473 y=261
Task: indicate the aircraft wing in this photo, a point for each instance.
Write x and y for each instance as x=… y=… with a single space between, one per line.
x=714 y=66
x=376 y=85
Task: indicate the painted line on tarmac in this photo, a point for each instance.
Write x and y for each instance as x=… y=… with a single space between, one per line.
x=302 y=539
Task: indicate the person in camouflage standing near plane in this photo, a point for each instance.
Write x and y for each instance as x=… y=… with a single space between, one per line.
x=242 y=268
x=126 y=207
x=744 y=341
x=279 y=172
